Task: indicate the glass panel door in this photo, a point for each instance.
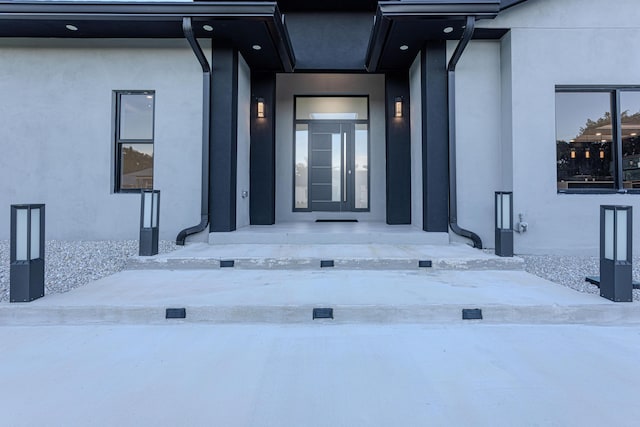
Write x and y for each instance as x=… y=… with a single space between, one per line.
x=328 y=166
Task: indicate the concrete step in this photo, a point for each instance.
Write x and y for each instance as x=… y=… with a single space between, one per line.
x=345 y=257
x=329 y=234
x=15 y=315
x=289 y=297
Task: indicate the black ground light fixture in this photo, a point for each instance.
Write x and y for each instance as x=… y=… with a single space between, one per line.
x=149 y=219
x=616 y=282
x=504 y=221
x=27 y=253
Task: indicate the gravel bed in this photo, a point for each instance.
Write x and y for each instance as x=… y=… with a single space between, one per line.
x=570 y=271
x=69 y=264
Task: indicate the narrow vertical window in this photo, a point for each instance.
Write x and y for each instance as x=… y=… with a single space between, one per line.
x=134 y=120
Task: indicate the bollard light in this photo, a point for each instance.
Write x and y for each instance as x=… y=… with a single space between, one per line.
x=26 y=253
x=504 y=223
x=149 y=221
x=616 y=282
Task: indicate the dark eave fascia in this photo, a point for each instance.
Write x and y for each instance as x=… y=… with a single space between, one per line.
x=389 y=11
x=267 y=12
x=136 y=10
x=506 y=4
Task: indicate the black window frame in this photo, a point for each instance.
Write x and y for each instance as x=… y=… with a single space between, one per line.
x=119 y=142
x=616 y=114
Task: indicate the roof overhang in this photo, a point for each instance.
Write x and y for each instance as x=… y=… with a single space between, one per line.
x=242 y=24
x=402 y=28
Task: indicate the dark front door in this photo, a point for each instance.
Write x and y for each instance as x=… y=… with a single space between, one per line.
x=332 y=166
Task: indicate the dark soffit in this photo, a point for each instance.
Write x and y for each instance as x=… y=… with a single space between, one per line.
x=401 y=28
x=242 y=24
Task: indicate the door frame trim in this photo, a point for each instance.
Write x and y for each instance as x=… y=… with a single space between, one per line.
x=308 y=122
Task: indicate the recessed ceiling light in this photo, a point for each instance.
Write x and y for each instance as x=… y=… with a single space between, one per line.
x=71 y=27
x=404 y=47
x=207 y=27
x=634 y=134
x=256 y=47
x=149 y=96
x=448 y=30
x=599 y=133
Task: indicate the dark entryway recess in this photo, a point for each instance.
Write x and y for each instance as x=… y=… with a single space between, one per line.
x=263 y=152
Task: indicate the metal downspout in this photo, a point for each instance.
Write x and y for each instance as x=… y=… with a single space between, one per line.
x=451 y=97
x=206 y=131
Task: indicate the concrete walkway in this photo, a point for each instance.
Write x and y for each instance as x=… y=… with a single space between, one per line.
x=319 y=375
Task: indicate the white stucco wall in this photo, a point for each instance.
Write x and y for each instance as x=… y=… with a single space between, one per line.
x=415 y=92
x=579 y=42
x=478 y=149
x=244 y=137
x=56 y=117
x=288 y=85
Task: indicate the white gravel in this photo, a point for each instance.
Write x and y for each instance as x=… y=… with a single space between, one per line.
x=570 y=271
x=69 y=264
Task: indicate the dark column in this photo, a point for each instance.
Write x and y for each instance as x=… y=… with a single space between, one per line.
x=262 y=195
x=224 y=133
x=398 y=150
x=435 y=134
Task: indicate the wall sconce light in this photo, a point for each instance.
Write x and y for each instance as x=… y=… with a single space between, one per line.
x=260 y=108
x=573 y=153
x=504 y=221
x=616 y=282
x=149 y=219
x=601 y=153
x=398 y=106
x=26 y=253
x=587 y=154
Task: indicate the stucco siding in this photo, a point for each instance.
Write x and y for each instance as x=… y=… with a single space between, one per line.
x=56 y=126
x=478 y=131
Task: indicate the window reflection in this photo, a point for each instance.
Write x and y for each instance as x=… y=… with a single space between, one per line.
x=137 y=166
x=630 y=118
x=362 y=167
x=136 y=116
x=302 y=167
x=584 y=140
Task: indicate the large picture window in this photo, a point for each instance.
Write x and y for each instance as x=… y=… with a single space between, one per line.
x=134 y=119
x=597 y=139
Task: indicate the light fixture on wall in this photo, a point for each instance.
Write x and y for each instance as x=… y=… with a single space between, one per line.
x=573 y=153
x=587 y=154
x=398 y=106
x=601 y=153
x=260 y=104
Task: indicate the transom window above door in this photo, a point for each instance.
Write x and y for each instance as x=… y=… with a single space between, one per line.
x=332 y=108
x=331 y=154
